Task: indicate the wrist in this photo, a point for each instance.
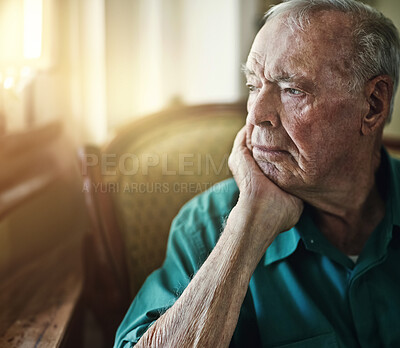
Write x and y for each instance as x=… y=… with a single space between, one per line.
x=251 y=232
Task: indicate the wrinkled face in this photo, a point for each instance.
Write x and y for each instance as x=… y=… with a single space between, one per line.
x=303 y=124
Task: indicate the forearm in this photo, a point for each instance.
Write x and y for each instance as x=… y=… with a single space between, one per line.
x=206 y=313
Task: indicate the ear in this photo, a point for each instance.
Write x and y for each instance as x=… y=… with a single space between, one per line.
x=378 y=93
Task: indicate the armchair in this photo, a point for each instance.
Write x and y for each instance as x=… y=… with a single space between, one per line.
x=136 y=184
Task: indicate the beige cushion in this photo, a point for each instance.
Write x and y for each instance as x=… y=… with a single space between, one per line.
x=187 y=150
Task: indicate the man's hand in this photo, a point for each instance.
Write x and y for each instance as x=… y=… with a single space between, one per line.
x=265 y=202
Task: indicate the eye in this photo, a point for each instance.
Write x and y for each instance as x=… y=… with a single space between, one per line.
x=251 y=87
x=294 y=91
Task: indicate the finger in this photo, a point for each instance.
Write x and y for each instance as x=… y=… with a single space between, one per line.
x=240 y=139
x=249 y=132
x=239 y=152
x=241 y=161
x=236 y=155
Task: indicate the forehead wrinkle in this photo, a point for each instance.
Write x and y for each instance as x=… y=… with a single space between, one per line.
x=281 y=73
x=278 y=76
x=326 y=27
x=264 y=64
x=254 y=62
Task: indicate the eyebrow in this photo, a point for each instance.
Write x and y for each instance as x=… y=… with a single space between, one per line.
x=281 y=78
x=288 y=78
x=248 y=72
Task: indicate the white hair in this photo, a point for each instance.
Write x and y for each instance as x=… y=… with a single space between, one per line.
x=376 y=39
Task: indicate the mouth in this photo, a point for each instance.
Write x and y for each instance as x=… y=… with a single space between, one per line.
x=270 y=154
x=269 y=150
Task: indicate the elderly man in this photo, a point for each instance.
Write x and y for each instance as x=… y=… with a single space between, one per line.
x=309 y=252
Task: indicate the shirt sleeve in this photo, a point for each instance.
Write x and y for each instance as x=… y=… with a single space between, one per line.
x=186 y=251
x=194 y=233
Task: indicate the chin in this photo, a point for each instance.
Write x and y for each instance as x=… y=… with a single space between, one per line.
x=280 y=177
x=272 y=172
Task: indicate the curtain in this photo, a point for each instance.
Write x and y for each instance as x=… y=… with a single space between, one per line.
x=128 y=58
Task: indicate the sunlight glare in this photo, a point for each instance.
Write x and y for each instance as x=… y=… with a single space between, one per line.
x=33 y=18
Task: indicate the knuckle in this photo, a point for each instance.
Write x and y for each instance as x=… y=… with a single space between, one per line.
x=231 y=161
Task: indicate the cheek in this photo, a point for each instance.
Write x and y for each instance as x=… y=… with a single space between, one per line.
x=297 y=112
x=323 y=133
x=300 y=123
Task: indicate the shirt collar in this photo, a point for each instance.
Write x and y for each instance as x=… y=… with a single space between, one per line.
x=287 y=242
x=283 y=246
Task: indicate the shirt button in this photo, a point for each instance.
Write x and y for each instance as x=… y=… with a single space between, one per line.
x=312 y=241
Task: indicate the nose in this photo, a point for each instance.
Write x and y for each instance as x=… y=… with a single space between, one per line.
x=262 y=107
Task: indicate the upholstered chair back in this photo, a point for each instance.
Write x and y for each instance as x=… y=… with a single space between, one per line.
x=160 y=163
x=134 y=187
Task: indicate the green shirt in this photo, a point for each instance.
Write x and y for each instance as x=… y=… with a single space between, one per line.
x=303 y=293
